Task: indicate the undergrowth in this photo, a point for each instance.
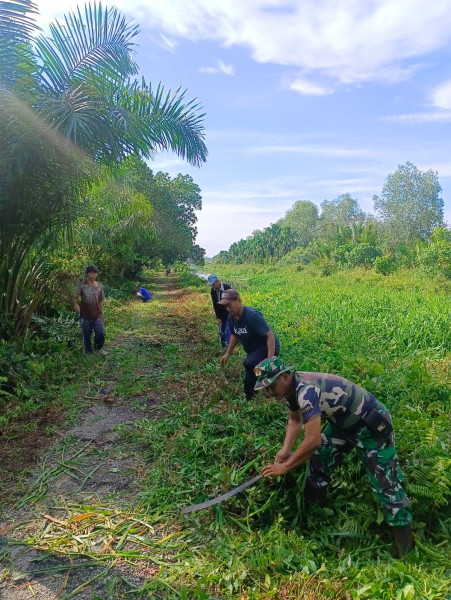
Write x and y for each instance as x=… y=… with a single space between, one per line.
x=202 y=438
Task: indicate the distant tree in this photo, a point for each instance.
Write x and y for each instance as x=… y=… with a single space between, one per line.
x=302 y=220
x=197 y=256
x=337 y=218
x=409 y=206
x=222 y=258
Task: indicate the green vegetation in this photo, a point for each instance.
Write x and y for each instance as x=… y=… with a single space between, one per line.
x=408 y=231
x=75 y=189
x=71 y=113
x=198 y=438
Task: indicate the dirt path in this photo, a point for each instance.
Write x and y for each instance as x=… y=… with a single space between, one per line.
x=83 y=493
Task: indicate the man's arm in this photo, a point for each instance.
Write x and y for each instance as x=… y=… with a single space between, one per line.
x=271 y=343
x=305 y=450
x=101 y=300
x=75 y=302
x=232 y=343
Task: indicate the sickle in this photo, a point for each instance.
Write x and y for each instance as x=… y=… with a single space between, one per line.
x=218 y=499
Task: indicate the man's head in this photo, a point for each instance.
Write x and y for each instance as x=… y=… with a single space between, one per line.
x=92 y=272
x=213 y=281
x=232 y=301
x=273 y=375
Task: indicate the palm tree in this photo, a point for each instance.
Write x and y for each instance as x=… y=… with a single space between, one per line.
x=69 y=102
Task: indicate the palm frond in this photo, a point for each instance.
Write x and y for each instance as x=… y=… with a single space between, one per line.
x=16 y=24
x=100 y=43
x=16 y=29
x=167 y=122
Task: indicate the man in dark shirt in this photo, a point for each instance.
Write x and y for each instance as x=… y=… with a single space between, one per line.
x=248 y=326
x=355 y=419
x=91 y=296
x=217 y=289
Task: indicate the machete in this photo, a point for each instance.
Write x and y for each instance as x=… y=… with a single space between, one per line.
x=218 y=499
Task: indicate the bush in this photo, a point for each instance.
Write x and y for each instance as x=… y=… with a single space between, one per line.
x=384 y=265
x=297 y=256
x=363 y=255
x=436 y=258
x=341 y=254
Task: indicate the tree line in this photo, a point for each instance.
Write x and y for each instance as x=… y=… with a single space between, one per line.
x=406 y=229
x=77 y=127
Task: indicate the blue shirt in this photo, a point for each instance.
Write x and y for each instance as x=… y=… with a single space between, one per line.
x=145 y=294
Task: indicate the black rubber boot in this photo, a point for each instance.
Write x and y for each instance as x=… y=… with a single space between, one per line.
x=316 y=496
x=403 y=539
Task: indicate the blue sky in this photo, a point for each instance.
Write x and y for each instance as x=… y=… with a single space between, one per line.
x=304 y=99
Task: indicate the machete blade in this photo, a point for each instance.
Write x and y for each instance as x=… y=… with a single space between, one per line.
x=218 y=499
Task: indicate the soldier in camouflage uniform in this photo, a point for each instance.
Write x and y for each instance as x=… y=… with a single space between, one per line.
x=355 y=419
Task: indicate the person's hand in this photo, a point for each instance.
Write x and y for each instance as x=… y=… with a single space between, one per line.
x=76 y=308
x=274 y=470
x=218 y=321
x=282 y=456
x=224 y=358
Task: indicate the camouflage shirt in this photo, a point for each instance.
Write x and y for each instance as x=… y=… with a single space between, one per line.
x=330 y=396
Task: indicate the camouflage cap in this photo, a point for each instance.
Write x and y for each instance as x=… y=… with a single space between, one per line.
x=268 y=370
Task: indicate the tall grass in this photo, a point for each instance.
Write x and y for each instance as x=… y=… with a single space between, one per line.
x=391 y=335
x=200 y=438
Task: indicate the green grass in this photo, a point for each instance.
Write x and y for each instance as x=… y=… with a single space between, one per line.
x=395 y=338
x=199 y=438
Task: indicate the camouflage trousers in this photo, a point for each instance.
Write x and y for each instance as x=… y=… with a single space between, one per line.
x=378 y=455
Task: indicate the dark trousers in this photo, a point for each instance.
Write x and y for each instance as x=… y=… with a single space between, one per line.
x=87 y=327
x=251 y=361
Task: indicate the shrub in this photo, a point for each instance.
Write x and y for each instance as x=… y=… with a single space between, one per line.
x=384 y=264
x=363 y=255
x=341 y=254
x=297 y=256
x=436 y=258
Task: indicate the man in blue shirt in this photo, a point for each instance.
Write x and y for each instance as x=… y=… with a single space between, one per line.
x=248 y=326
x=143 y=294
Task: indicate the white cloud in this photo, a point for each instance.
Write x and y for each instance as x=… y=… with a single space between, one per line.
x=441 y=96
x=349 y=41
x=421 y=117
x=309 y=149
x=168 y=44
x=309 y=89
x=220 y=68
x=168 y=164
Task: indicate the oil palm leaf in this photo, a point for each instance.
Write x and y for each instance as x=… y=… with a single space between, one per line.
x=166 y=121
x=15 y=21
x=100 y=43
x=16 y=58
